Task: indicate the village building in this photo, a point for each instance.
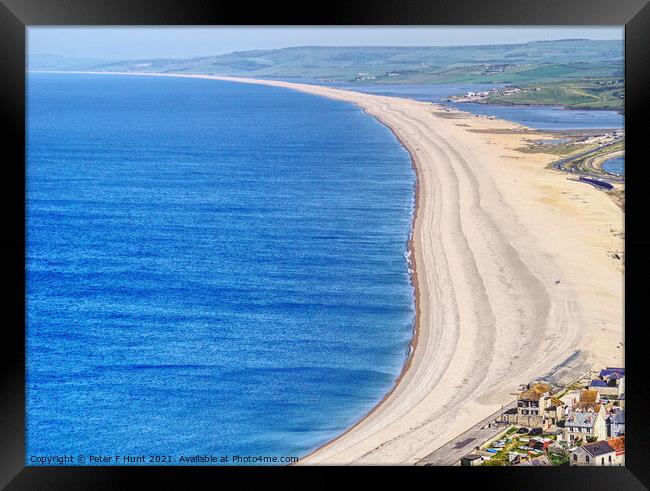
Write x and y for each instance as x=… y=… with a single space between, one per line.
x=589 y=396
x=586 y=421
x=536 y=408
x=604 y=388
x=540 y=444
x=594 y=454
x=607 y=373
x=618 y=444
x=610 y=383
x=515 y=458
x=616 y=423
x=585 y=426
x=581 y=398
x=589 y=402
x=602 y=453
x=554 y=412
x=542 y=460
x=473 y=460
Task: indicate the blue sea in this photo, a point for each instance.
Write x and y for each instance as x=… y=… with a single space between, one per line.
x=615 y=165
x=212 y=268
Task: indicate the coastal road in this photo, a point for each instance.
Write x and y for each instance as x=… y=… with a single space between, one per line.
x=450 y=453
x=559 y=164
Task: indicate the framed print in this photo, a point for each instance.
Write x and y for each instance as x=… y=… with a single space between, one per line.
x=357 y=242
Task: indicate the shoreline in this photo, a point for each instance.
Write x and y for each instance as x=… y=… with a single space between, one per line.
x=481 y=250
x=413 y=343
x=597 y=162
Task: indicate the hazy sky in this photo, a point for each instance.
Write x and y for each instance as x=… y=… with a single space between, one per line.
x=184 y=42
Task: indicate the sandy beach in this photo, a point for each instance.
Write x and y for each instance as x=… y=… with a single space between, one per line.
x=494 y=229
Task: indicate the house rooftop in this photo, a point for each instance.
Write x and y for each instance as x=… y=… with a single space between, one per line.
x=609 y=371
x=588 y=395
x=535 y=391
x=581 y=420
x=472 y=456
x=598 y=448
x=598 y=383
x=586 y=406
x=618 y=444
x=537 y=461
x=529 y=395
x=541 y=387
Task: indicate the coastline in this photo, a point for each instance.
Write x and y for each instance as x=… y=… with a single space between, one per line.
x=598 y=162
x=413 y=343
x=487 y=264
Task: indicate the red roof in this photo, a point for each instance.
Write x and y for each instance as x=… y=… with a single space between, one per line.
x=588 y=396
x=617 y=444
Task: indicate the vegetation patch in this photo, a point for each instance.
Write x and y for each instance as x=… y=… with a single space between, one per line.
x=596 y=93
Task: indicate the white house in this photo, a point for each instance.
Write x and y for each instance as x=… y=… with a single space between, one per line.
x=585 y=426
x=594 y=454
x=603 y=453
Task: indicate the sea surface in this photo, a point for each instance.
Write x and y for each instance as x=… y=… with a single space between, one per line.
x=212 y=268
x=615 y=165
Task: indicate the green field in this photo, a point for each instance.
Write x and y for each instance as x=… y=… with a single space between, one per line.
x=600 y=93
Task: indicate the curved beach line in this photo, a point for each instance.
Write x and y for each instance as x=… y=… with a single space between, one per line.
x=492 y=229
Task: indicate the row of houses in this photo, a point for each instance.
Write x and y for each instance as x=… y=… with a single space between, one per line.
x=592 y=413
x=603 y=401
x=587 y=423
x=482 y=95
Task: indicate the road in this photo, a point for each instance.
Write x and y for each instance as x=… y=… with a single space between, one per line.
x=465 y=443
x=559 y=164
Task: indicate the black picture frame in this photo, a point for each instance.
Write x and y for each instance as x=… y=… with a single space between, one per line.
x=15 y=15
